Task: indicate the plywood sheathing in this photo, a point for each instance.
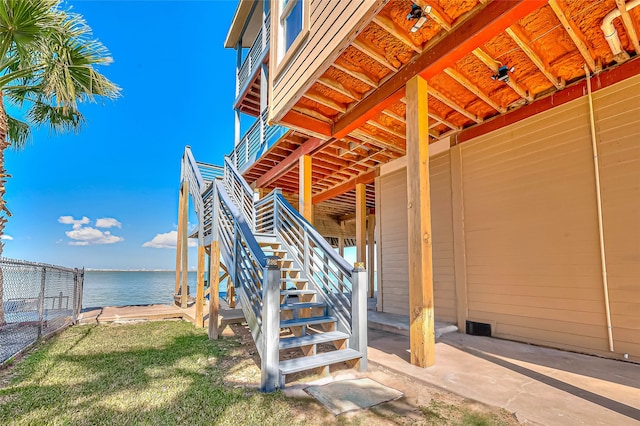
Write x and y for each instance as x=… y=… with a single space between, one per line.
x=396 y=52
x=457 y=93
x=553 y=44
x=346 y=80
x=588 y=17
x=355 y=60
x=504 y=50
x=330 y=93
x=475 y=70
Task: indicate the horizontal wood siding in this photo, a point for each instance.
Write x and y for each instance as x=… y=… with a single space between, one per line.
x=531 y=228
x=394 y=242
x=329 y=25
x=618 y=126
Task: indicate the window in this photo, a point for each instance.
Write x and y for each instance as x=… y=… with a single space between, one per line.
x=293 y=25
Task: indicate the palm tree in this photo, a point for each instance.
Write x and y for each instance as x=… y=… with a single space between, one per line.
x=47 y=67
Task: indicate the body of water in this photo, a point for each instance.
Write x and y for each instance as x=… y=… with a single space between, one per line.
x=121 y=288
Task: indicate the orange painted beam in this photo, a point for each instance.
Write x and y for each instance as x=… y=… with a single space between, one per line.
x=302 y=121
x=345 y=187
x=307 y=148
x=602 y=80
x=486 y=24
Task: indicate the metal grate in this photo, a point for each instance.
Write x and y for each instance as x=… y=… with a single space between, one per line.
x=36 y=300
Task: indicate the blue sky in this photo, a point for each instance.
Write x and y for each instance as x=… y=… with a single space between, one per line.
x=94 y=199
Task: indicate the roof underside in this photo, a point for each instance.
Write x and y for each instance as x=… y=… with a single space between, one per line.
x=545 y=52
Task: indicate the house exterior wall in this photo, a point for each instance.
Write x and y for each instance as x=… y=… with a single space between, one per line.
x=531 y=237
x=332 y=26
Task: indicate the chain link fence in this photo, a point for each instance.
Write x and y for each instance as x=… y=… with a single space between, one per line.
x=36 y=300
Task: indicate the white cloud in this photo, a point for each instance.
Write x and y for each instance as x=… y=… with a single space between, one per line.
x=6 y=237
x=108 y=222
x=77 y=223
x=84 y=236
x=167 y=240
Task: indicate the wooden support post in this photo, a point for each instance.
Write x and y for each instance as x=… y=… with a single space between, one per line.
x=214 y=289
x=371 y=224
x=459 y=247
x=361 y=222
x=421 y=319
x=200 y=288
x=304 y=200
x=359 y=339
x=184 y=246
x=179 y=241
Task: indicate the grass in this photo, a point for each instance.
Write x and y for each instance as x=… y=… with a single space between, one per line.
x=166 y=373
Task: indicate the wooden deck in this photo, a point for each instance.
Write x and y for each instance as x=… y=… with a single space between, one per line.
x=110 y=314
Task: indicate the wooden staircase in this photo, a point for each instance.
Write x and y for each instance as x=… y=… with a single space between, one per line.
x=304 y=320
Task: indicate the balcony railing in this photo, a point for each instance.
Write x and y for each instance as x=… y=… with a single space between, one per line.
x=255 y=56
x=258 y=139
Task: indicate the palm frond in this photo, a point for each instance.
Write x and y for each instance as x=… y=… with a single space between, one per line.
x=59 y=119
x=18 y=133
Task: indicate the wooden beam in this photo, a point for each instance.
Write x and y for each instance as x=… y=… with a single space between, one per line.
x=436 y=14
x=628 y=25
x=344 y=187
x=179 y=239
x=338 y=87
x=393 y=115
x=421 y=316
x=304 y=189
x=309 y=147
x=523 y=43
x=357 y=44
x=441 y=120
x=361 y=222
x=494 y=66
x=576 y=35
x=377 y=125
x=200 y=288
x=325 y=101
x=312 y=113
x=184 y=245
x=388 y=25
x=486 y=24
x=357 y=75
x=470 y=86
x=305 y=123
x=375 y=140
x=371 y=224
x=459 y=245
x=214 y=285
x=442 y=98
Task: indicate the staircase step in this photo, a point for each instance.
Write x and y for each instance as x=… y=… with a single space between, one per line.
x=266 y=238
x=297 y=322
x=303 y=305
x=296 y=292
x=307 y=363
x=293 y=280
x=312 y=339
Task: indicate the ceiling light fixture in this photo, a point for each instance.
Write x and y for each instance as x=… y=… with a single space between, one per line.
x=420 y=14
x=503 y=74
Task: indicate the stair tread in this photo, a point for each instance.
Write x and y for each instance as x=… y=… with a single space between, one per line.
x=302 y=305
x=308 y=362
x=306 y=321
x=293 y=279
x=296 y=292
x=312 y=339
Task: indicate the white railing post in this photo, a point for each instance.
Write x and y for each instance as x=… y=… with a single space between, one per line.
x=270 y=372
x=358 y=339
x=306 y=249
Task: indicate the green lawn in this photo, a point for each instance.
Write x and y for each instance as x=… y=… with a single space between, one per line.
x=157 y=373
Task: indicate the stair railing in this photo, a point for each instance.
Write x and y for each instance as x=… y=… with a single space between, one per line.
x=239 y=191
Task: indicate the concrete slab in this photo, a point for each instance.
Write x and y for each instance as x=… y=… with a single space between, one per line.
x=540 y=385
x=399 y=324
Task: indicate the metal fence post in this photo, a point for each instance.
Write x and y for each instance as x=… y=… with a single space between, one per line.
x=270 y=373
x=358 y=339
x=43 y=280
x=78 y=308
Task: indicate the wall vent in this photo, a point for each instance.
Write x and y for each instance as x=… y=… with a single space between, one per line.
x=478 y=329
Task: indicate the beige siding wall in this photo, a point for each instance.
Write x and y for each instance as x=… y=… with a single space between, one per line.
x=331 y=24
x=618 y=125
x=394 y=244
x=531 y=227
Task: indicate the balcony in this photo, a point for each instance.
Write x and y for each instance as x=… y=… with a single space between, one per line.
x=248 y=77
x=255 y=142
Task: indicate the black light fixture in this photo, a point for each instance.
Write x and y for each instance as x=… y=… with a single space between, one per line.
x=503 y=74
x=420 y=14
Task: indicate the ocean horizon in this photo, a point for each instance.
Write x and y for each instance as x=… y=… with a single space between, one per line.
x=127 y=287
